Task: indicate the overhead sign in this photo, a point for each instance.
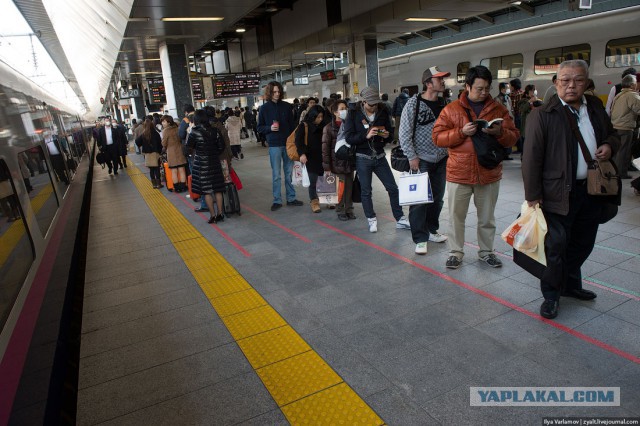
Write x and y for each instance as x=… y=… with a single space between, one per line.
x=328 y=75
x=156 y=91
x=234 y=85
x=197 y=89
x=298 y=81
x=129 y=93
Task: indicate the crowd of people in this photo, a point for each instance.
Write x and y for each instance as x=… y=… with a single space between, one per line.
x=438 y=136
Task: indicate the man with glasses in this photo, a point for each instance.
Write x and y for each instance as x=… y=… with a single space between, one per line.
x=276 y=122
x=465 y=176
x=555 y=177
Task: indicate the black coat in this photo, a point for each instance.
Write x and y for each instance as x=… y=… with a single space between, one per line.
x=118 y=136
x=313 y=148
x=154 y=145
x=208 y=144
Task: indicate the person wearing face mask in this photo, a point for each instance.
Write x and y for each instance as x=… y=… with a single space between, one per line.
x=109 y=143
x=504 y=98
x=341 y=168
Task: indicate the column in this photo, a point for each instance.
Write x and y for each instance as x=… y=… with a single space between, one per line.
x=175 y=73
x=364 y=70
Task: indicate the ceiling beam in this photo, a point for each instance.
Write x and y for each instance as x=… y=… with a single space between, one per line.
x=486 y=18
x=453 y=27
x=525 y=8
x=381 y=46
x=424 y=34
x=399 y=41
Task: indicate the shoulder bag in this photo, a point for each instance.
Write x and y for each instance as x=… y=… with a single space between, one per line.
x=488 y=150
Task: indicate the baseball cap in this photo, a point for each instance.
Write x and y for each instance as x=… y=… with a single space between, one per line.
x=433 y=72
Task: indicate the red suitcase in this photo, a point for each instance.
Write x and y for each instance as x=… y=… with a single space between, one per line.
x=192 y=195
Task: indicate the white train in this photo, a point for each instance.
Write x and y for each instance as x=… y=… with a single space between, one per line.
x=609 y=42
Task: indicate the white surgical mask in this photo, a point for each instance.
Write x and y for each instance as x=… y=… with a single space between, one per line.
x=508 y=91
x=108 y=124
x=342 y=114
x=535 y=93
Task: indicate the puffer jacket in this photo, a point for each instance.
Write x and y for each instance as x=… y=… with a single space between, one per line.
x=173 y=145
x=208 y=144
x=463 y=166
x=329 y=160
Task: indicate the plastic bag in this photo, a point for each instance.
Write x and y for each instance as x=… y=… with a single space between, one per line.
x=296 y=174
x=522 y=234
x=306 y=182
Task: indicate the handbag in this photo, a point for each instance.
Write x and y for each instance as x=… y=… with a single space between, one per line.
x=488 y=150
x=399 y=160
x=327 y=184
x=414 y=188
x=101 y=158
x=356 y=190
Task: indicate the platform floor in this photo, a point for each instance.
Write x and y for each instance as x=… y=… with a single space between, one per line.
x=293 y=317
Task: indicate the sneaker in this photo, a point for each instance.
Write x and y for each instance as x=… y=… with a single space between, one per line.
x=491 y=260
x=421 y=248
x=373 y=224
x=453 y=262
x=403 y=223
x=438 y=238
x=275 y=206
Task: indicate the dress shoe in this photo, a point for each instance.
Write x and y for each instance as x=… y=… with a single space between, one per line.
x=549 y=308
x=201 y=209
x=579 y=293
x=275 y=206
x=295 y=203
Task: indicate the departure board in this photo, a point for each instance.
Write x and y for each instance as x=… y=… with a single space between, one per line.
x=234 y=85
x=156 y=91
x=197 y=89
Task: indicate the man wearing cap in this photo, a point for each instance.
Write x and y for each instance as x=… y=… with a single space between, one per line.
x=454 y=129
x=367 y=127
x=416 y=127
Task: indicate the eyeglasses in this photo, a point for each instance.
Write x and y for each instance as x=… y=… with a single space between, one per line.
x=580 y=81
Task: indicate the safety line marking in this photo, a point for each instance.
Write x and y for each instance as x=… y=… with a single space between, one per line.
x=489 y=296
x=289 y=370
x=273 y=222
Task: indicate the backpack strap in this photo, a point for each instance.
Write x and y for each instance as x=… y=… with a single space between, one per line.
x=415 y=117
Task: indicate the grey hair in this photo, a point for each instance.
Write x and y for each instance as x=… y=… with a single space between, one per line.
x=575 y=63
x=629 y=81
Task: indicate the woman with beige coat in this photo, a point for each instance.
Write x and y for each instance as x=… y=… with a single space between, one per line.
x=172 y=145
x=234 y=127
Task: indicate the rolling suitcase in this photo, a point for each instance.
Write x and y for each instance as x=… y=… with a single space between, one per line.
x=192 y=195
x=168 y=177
x=230 y=200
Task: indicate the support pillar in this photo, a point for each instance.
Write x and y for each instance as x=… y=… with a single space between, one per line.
x=364 y=71
x=175 y=73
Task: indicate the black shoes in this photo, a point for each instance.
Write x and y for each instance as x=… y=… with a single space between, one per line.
x=295 y=203
x=453 y=262
x=216 y=219
x=351 y=216
x=275 y=206
x=343 y=217
x=549 y=308
x=201 y=209
x=579 y=293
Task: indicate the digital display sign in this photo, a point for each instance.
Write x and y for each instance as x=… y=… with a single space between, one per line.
x=234 y=85
x=156 y=91
x=328 y=75
x=197 y=89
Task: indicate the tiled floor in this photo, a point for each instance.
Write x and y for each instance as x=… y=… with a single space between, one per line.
x=408 y=335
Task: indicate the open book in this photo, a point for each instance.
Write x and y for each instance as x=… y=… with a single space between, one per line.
x=483 y=124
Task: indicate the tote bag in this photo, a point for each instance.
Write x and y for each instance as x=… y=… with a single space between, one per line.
x=415 y=188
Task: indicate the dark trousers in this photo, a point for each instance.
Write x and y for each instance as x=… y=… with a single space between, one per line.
x=366 y=167
x=154 y=172
x=425 y=218
x=313 y=179
x=236 y=150
x=569 y=242
x=113 y=157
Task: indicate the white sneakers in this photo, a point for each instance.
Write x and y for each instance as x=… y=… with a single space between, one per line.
x=438 y=238
x=421 y=248
x=373 y=224
x=403 y=223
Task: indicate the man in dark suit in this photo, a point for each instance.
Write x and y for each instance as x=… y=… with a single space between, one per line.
x=110 y=140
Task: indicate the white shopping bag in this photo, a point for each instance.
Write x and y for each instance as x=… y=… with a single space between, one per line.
x=296 y=174
x=306 y=182
x=415 y=188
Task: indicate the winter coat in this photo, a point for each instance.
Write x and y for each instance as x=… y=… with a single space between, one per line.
x=208 y=144
x=234 y=126
x=329 y=160
x=226 y=154
x=313 y=148
x=173 y=146
x=462 y=165
x=280 y=111
x=399 y=103
x=155 y=145
x=551 y=152
x=625 y=109
x=356 y=134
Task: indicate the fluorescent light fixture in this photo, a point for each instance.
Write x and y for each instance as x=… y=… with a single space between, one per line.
x=145 y=19
x=145 y=72
x=193 y=19
x=240 y=30
x=207 y=52
x=318 y=53
x=148 y=60
x=425 y=19
x=126 y=51
x=278 y=66
x=516 y=3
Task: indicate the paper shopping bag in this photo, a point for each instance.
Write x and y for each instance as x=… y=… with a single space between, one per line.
x=415 y=188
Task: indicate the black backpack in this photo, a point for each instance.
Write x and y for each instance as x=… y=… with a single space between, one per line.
x=488 y=150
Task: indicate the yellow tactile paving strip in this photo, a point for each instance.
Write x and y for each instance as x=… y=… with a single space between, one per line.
x=307 y=389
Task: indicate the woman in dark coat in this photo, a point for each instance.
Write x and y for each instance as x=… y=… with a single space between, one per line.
x=342 y=168
x=207 y=144
x=311 y=152
x=150 y=144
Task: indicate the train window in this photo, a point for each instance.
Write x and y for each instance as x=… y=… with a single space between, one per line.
x=623 y=52
x=38 y=181
x=547 y=61
x=461 y=73
x=509 y=66
x=16 y=247
x=412 y=89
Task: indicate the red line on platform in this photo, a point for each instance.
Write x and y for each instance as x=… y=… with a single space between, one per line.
x=220 y=231
x=490 y=296
x=273 y=222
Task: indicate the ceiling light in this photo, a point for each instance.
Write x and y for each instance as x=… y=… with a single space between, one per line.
x=189 y=19
x=145 y=19
x=240 y=30
x=318 y=53
x=151 y=59
x=126 y=51
x=425 y=19
x=207 y=52
x=278 y=66
x=145 y=72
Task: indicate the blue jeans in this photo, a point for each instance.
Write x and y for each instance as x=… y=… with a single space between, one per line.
x=279 y=158
x=366 y=167
x=425 y=218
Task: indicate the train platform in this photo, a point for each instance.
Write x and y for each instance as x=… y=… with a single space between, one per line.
x=290 y=317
